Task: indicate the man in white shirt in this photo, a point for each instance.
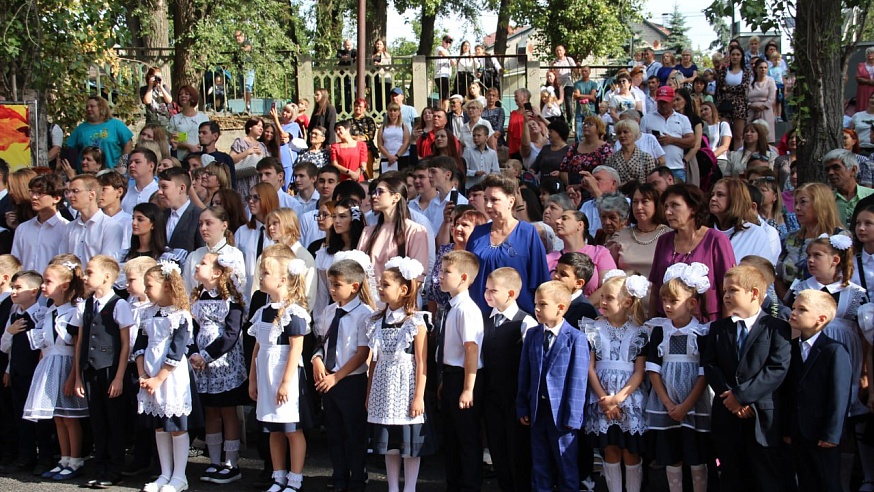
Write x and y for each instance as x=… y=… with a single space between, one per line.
x=646 y=142
x=92 y=233
x=40 y=239
x=327 y=180
x=650 y=64
x=304 y=182
x=426 y=194
x=442 y=173
x=673 y=130
x=141 y=168
x=182 y=215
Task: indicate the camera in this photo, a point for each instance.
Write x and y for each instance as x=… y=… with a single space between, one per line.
x=157 y=79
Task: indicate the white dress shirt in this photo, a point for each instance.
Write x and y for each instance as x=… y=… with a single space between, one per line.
x=310 y=205
x=101 y=235
x=464 y=323
x=309 y=228
x=806 y=345
x=527 y=322
x=752 y=241
x=173 y=220
x=868 y=269
x=748 y=322
x=246 y=241
x=122 y=314
x=126 y=221
x=351 y=333
x=36 y=243
x=134 y=197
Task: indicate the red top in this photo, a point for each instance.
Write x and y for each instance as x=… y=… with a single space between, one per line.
x=514 y=132
x=350 y=158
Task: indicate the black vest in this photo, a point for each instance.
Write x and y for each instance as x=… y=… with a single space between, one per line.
x=101 y=338
x=22 y=359
x=501 y=353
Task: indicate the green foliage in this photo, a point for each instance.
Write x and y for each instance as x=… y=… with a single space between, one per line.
x=49 y=48
x=678 y=40
x=266 y=25
x=585 y=27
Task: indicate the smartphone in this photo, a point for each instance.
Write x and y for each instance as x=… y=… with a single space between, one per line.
x=656 y=133
x=416 y=121
x=273 y=106
x=453 y=197
x=527 y=106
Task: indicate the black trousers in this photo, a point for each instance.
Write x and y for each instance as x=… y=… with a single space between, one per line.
x=32 y=436
x=107 y=421
x=746 y=465
x=818 y=469
x=8 y=425
x=509 y=444
x=346 y=426
x=462 y=443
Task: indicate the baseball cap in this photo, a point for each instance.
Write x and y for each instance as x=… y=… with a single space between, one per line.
x=665 y=93
x=397 y=91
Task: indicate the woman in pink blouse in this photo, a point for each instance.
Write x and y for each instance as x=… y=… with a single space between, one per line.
x=348 y=155
x=394 y=233
x=571 y=227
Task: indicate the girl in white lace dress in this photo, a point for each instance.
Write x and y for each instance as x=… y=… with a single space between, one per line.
x=53 y=379
x=830 y=263
x=679 y=404
x=614 y=417
x=396 y=390
x=217 y=358
x=277 y=376
x=165 y=385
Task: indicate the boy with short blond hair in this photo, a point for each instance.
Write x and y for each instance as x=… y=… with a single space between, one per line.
x=504 y=329
x=25 y=315
x=746 y=359
x=101 y=360
x=461 y=338
x=553 y=377
x=818 y=394
x=770 y=301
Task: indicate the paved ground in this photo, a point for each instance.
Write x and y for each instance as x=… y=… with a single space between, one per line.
x=317 y=474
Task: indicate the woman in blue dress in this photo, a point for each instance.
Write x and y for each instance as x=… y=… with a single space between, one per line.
x=506 y=242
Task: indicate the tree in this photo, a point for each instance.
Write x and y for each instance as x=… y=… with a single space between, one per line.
x=502 y=27
x=677 y=39
x=723 y=33
x=823 y=40
x=584 y=27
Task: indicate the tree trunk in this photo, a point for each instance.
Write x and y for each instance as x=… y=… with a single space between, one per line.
x=154 y=29
x=819 y=84
x=377 y=19
x=426 y=40
x=502 y=31
x=185 y=16
x=329 y=30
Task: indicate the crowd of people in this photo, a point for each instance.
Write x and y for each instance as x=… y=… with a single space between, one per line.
x=457 y=277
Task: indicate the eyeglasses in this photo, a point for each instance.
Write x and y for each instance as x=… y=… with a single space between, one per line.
x=253 y=198
x=208 y=174
x=37 y=193
x=323 y=216
x=72 y=192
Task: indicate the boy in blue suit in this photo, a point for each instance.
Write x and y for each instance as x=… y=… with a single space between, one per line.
x=553 y=376
x=819 y=393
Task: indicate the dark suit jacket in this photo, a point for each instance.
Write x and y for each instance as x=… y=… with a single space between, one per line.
x=567 y=373
x=580 y=308
x=818 y=391
x=754 y=378
x=5 y=206
x=186 y=235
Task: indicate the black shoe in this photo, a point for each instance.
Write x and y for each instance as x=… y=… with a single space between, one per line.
x=41 y=468
x=226 y=475
x=264 y=479
x=106 y=481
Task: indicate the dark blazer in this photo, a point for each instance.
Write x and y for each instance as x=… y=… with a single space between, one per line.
x=186 y=235
x=818 y=391
x=567 y=374
x=754 y=378
x=580 y=308
x=5 y=206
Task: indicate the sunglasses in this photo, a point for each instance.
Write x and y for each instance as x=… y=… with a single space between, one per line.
x=253 y=198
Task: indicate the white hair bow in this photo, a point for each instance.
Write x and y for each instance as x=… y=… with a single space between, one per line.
x=694 y=275
x=410 y=268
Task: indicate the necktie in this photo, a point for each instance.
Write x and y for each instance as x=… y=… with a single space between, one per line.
x=171 y=223
x=547 y=341
x=441 y=337
x=741 y=337
x=331 y=342
x=805 y=351
x=260 y=242
x=499 y=319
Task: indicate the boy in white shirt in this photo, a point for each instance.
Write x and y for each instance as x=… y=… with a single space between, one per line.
x=480 y=159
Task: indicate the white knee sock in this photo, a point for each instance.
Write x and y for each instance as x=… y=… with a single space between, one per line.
x=214 y=446
x=633 y=477
x=393 y=470
x=699 y=478
x=675 y=478
x=411 y=473
x=232 y=452
x=164 y=443
x=613 y=475
x=180 y=457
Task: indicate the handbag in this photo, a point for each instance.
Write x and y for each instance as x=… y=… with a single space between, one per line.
x=246 y=168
